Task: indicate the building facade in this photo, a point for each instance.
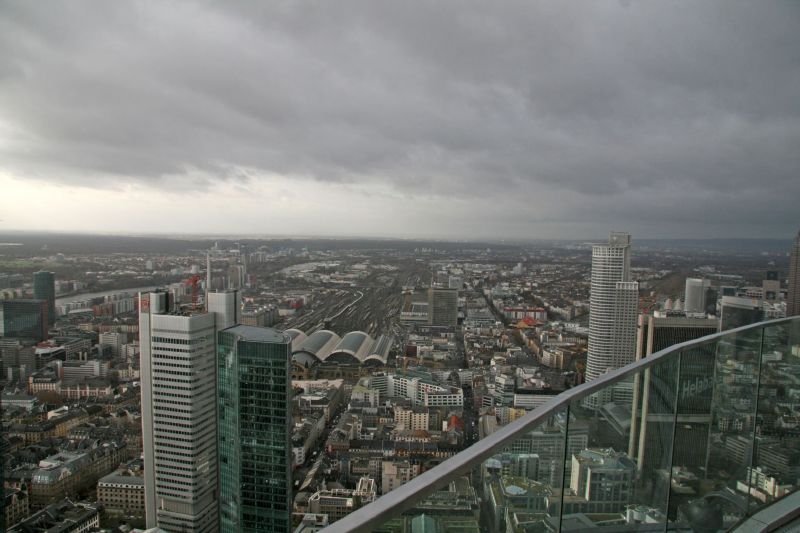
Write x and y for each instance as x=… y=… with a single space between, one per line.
x=648 y=439
x=121 y=494
x=604 y=478
x=178 y=357
x=613 y=309
x=736 y=312
x=24 y=319
x=695 y=295
x=442 y=306
x=793 y=296
x=44 y=288
x=254 y=403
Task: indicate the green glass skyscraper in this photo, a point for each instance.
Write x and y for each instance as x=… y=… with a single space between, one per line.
x=254 y=397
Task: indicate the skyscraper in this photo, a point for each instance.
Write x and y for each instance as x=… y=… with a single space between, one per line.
x=24 y=319
x=695 y=295
x=442 y=306
x=771 y=286
x=652 y=435
x=613 y=309
x=736 y=312
x=793 y=297
x=254 y=398
x=178 y=348
x=44 y=288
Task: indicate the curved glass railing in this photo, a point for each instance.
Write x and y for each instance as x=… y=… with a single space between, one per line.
x=697 y=437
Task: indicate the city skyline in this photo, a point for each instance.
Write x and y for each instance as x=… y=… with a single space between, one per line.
x=359 y=267
x=518 y=121
x=299 y=419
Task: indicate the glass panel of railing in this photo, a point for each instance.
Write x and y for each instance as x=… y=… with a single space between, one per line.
x=516 y=487
x=620 y=450
x=714 y=432
x=454 y=504
x=692 y=426
x=776 y=458
x=522 y=483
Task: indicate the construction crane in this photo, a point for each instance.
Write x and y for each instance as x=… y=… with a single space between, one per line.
x=194 y=281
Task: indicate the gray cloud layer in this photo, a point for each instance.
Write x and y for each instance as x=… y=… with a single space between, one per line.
x=656 y=117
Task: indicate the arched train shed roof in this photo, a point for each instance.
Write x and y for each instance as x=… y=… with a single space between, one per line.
x=353 y=348
x=298 y=337
x=316 y=347
x=379 y=351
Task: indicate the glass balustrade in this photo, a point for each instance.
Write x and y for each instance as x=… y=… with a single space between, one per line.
x=694 y=438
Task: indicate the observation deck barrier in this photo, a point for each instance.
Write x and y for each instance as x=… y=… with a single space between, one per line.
x=701 y=436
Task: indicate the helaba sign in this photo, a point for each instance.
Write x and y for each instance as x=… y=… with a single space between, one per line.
x=698 y=385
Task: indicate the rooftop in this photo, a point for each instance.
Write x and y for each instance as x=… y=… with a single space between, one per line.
x=259 y=334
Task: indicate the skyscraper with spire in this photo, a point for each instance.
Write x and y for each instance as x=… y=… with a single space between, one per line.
x=793 y=296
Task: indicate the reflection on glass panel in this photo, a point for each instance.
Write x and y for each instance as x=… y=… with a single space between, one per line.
x=619 y=477
x=692 y=427
x=776 y=459
x=718 y=391
x=455 y=507
x=696 y=442
x=522 y=485
x=517 y=489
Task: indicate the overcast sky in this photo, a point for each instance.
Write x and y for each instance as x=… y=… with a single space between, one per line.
x=435 y=119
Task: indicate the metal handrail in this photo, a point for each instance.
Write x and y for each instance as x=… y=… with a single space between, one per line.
x=409 y=494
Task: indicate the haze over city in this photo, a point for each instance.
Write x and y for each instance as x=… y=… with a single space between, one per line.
x=425 y=119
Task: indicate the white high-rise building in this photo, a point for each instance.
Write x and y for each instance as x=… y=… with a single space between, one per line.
x=695 y=295
x=178 y=362
x=613 y=309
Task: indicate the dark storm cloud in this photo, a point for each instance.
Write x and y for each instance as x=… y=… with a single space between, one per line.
x=682 y=112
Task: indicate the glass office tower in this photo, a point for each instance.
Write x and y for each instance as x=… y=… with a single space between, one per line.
x=254 y=397
x=23 y=318
x=44 y=288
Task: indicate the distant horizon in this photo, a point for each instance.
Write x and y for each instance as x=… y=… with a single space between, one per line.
x=199 y=236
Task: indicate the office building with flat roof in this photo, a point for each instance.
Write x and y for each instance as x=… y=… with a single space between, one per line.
x=736 y=311
x=178 y=356
x=254 y=417
x=24 y=319
x=442 y=306
x=793 y=295
x=44 y=288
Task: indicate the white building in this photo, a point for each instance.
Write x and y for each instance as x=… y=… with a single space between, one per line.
x=112 y=339
x=613 y=310
x=178 y=361
x=396 y=473
x=695 y=295
x=424 y=392
x=604 y=478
